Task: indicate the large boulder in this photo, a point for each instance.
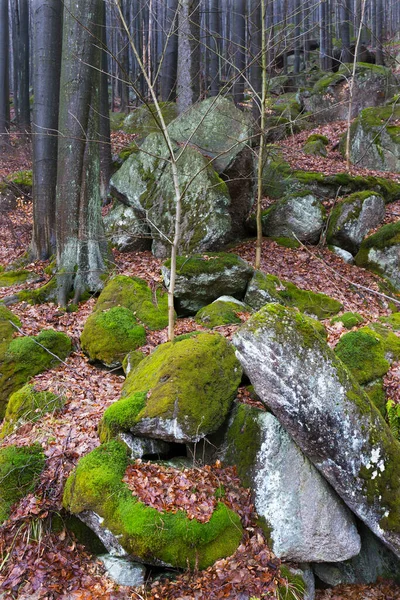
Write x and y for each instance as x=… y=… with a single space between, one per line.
x=95 y=491
x=305 y=519
x=329 y=98
x=322 y=407
x=202 y=278
x=351 y=220
x=126 y=230
x=180 y=393
x=223 y=311
x=375 y=139
x=380 y=253
x=145 y=120
x=300 y=216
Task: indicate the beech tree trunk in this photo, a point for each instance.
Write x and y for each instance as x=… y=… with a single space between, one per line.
x=239 y=37
x=47 y=27
x=170 y=62
x=188 y=78
x=20 y=17
x=81 y=245
x=4 y=75
x=215 y=46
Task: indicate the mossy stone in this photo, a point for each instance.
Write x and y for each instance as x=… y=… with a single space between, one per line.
x=131 y=360
x=41 y=295
x=294 y=588
x=315 y=148
x=187 y=387
x=27 y=404
x=392 y=321
x=367 y=354
x=379 y=253
x=287 y=242
x=108 y=335
x=155 y=537
x=20 y=468
x=377 y=395
x=8 y=278
x=349 y=319
x=28 y=356
x=145 y=120
x=7 y=329
x=218 y=313
x=150 y=308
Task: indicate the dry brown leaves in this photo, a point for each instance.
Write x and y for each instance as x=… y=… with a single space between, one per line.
x=385 y=590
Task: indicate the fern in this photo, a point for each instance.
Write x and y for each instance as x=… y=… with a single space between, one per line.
x=393 y=417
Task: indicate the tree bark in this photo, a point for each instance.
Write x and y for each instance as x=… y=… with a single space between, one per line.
x=47 y=27
x=345 y=31
x=188 y=78
x=170 y=62
x=81 y=245
x=256 y=42
x=4 y=75
x=215 y=36
x=239 y=36
x=21 y=63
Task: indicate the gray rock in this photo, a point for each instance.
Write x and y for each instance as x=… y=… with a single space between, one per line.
x=126 y=229
x=123 y=571
x=306 y=519
x=231 y=299
x=353 y=218
x=299 y=216
x=343 y=254
x=329 y=416
x=381 y=253
x=374 y=561
x=261 y=290
x=138 y=447
x=109 y=540
x=202 y=279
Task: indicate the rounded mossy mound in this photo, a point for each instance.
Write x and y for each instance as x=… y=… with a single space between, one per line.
x=180 y=393
x=28 y=356
x=219 y=313
x=27 y=404
x=9 y=278
x=131 y=360
x=380 y=253
x=368 y=354
x=150 y=308
x=20 y=468
x=7 y=329
x=155 y=537
x=316 y=145
x=349 y=319
x=109 y=335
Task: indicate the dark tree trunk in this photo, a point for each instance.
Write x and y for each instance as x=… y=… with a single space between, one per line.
x=188 y=78
x=4 y=75
x=81 y=245
x=47 y=27
x=239 y=38
x=255 y=56
x=215 y=37
x=105 y=137
x=297 y=39
x=170 y=62
x=379 y=32
x=345 y=31
x=21 y=63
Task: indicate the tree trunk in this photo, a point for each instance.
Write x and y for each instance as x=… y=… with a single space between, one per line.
x=4 y=76
x=105 y=136
x=21 y=64
x=188 y=80
x=255 y=26
x=379 y=33
x=170 y=62
x=215 y=36
x=81 y=245
x=239 y=38
x=47 y=25
x=345 y=31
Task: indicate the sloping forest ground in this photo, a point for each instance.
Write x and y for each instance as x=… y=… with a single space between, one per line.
x=40 y=564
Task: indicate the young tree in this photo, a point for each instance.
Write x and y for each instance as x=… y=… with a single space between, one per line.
x=47 y=25
x=4 y=76
x=81 y=245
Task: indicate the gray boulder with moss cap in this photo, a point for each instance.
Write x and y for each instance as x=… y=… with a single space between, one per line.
x=323 y=408
x=202 y=278
x=299 y=216
x=380 y=253
x=305 y=519
x=180 y=393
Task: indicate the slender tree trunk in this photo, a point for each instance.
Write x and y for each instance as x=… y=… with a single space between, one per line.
x=105 y=136
x=261 y=152
x=345 y=31
x=379 y=32
x=188 y=79
x=4 y=76
x=47 y=27
x=81 y=245
x=256 y=29
x=239 y=38
x=215 y=36
x=21 y=63
x=297 y=39
x=170 y=63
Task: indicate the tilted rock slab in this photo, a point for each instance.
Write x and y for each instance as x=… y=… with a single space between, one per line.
x=315 y=398
x=307 y=520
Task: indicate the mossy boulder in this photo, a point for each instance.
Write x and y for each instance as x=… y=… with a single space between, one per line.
x=145 y=120
x=348 y=319
x=28 y=356
x=202 y=278
x=8 y=278
x=300 y=216
x=108 y=335
x=353 y=218
x=375 y=139
x=223 y=311
x=126 y=230
x=28 y=404
x=161 y=538
x=131 y=360
x=329 y=98
x=367 y=354
x=20 y=468
x=380 y=253
x=266 y=288
x=181 y=392
x=149 y=307
x=7 y=329
x=316 y=145
x=329 y=416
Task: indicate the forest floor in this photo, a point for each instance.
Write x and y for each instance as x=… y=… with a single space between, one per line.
x=40 y=564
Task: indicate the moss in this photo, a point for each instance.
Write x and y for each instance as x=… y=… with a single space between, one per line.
x=131 y=360
x=293 y=588
x=349 y=319
x=144 y=120
x=355 y=201
x=7 y=330
x=20 y=468
x=197 y=264
x=26 y=357
x=317 y=137
x=286 y=242
x=41 y=295
x=21 y=178
x=194 y=380
x=27 y=404
x=96 y=484
x=8 y=278
x=81 y=532
x=243 y=440
x=116 y=120
x=392 y=320
x=134 y=294
x=327 y=81
x=386 y=236
x=376 y=393
x=121 y=416
x=366 y=353
x=275 y=173
x=219 y=313
x=316 y=148
x=109 y=335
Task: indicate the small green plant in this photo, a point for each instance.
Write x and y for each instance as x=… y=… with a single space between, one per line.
x=393 y=417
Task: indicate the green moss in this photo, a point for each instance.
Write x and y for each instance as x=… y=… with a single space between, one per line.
x=20 y=468
x=7 y=330
x=131 y=360
x=219 y=313
x=133 y=293
x=109 y=335
x=376 y=393
x=287 y=242
x=328 y=80
x=21 y=178
x=317 y=148
x=8 y=278
x=144 y=120
x=64 y=521
x=121 y=416
x=96 y=484
x=349 y=319
x=194 y=380
x=116 y=120
x=392 y=320
x=386 y=236
x=243 y=441
x=26 y=357
x=27 y=404
x=366 y=353
x=197 y=264
x=275 y=173
x=317 y=137
x=41 y=295
x=293 y=588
